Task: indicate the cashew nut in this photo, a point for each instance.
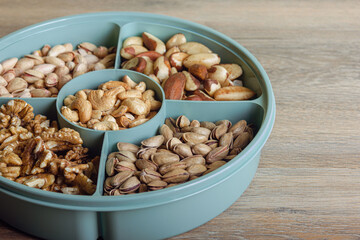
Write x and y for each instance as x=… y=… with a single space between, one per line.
x=84 y=107
x=71 y=115
x=106 y=125
x=108 y=118
x=136 y=106
x=103 y=101
x=68 y=100
x=91 y=122
x=81 y=94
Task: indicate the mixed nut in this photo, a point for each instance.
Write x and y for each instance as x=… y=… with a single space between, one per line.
x=115 y=105
x=45 y=71
x=186 y=70
x=184 y=150
x=34 y=152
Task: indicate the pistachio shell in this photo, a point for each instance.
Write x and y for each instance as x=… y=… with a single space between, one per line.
x=194 y=138
x=238 y=128
x=157 y=184
x=217 y=154
x=153 y=142
x=148 y=175
x=201 y=149
x=161 y=158
x=121 y=166
x=183 y=150
x=166 y=132
x=242 y=140
x=110 y=166
x=196 y=169
x=172 y=166
x=145 y=153
x=208 y=125
x=130 y=185
x=176 y=176
x=118 y=179
x=127 y=146
x=201 y=130
x=170 y=144
x=125 y=155
x=226 y=140
x=196 y=159
x=144 y=163
x=182 y=121
x=218 y=131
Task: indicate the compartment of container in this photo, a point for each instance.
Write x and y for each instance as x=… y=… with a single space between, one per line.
x=165 y=32
x=46 y=59
x=100 y=33
x=92 y=81
x=46 y=221
x=47 y=108
x=181 y=207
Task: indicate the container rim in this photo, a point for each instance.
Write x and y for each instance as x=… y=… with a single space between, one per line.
x=148 y=199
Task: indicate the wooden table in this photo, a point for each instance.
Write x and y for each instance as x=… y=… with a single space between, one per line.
x=308 y=182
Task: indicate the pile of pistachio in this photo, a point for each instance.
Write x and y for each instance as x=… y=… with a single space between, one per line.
x=184 y=150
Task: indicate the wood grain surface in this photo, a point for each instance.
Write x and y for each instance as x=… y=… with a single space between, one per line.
x=308 y=182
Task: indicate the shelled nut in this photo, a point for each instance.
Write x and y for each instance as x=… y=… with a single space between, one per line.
x=53 y=67
x=205 y=74
x=34 y=152
x=114 y=105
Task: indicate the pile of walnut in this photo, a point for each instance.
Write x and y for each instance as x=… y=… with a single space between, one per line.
x=45 y=71
x=115 y=105
x=186 y=70
x=36 y=153
x=182 y=152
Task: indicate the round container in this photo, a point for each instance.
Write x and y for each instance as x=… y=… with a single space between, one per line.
x=151 y=215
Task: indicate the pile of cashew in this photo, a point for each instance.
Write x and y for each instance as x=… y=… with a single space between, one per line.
x=115 y=105
x=45 y=71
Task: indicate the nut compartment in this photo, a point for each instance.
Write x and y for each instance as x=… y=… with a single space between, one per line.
x=164 y=32
x=50 y=58
x=110 y=213
x=91 y=81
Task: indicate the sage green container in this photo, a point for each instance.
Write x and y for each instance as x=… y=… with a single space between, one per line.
x=151 y=215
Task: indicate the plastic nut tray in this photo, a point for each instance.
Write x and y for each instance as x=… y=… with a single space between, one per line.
x=150 y=215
